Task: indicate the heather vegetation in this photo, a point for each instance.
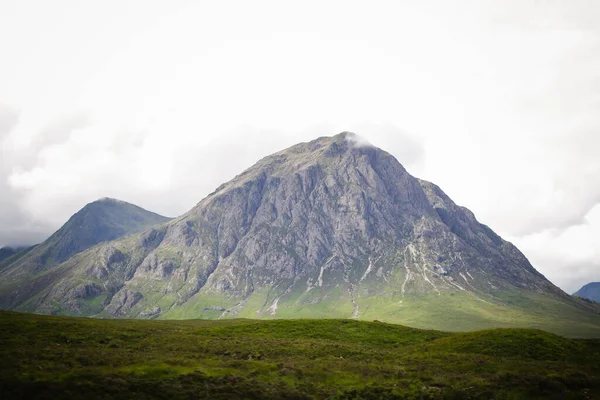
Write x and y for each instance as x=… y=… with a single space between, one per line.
x=47 y=357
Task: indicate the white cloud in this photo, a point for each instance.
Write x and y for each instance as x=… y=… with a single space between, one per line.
x=571 y=256
x=358 y=141
x=158 y=104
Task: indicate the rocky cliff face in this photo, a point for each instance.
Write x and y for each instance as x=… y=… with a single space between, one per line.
x=328 y=228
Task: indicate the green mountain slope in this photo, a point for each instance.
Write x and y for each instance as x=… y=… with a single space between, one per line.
x=46 y=357
x=328 y=228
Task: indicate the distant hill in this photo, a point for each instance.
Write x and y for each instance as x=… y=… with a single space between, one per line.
x=591 y=291
x=100 y=221
x=9 y=254
x=9 y=251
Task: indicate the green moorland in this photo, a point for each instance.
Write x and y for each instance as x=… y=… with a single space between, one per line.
x=50 y=357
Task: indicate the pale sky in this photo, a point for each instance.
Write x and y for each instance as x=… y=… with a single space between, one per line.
x=159 y=102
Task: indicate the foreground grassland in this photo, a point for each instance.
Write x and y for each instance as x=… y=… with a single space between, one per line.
x=44 y=357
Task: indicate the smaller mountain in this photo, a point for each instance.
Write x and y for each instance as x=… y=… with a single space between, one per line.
x=100 y=221
x=11 y=254
x=591 y=291
x=9 y=251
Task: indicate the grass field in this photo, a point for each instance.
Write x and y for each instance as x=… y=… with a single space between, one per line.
x=47 y=357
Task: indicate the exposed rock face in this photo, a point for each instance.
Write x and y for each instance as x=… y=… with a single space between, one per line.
x=123 y=302
x=591 y=291
x=151 y=313
x=327 y=228
x=100 y=221
x=84 y=291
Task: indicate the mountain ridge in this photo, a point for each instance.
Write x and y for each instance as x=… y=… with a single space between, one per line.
x=10 y=251
x=590 y=291
x=331 y=227
x=99 y=221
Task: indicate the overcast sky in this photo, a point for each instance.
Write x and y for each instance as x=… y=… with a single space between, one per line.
x=159 y=102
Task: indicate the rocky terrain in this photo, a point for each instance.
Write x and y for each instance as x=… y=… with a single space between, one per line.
x=100 y=221
x=329 y=228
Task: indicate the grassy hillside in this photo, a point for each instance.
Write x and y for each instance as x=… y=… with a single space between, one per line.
x=62 y=357
x=449 y=311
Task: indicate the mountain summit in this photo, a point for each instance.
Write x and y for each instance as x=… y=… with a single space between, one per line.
x=330 y=228
x=103 y=220
x=591 y=291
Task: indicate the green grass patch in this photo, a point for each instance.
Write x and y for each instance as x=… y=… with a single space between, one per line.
x=64 y=357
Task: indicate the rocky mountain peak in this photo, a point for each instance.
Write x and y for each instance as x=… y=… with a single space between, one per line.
x=325 y=213
x=330 y=227
x=334 y=156
x=99 y=221
x=590 y=291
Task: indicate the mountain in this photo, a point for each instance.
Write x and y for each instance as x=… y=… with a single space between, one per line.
x=9 y=251
x=100 y=221
x=329 y=228
x=591 y=291
x=9 y=254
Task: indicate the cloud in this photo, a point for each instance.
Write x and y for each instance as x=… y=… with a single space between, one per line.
x=74 y=161
x=59 y=131
x=357 y=141
x=8 y=119
x=17 y=227
x=570 y=256
x=159 y=105
x=406 y=147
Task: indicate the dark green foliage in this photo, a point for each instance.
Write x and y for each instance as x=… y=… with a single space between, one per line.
x=45 y=357
x=521 y=343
